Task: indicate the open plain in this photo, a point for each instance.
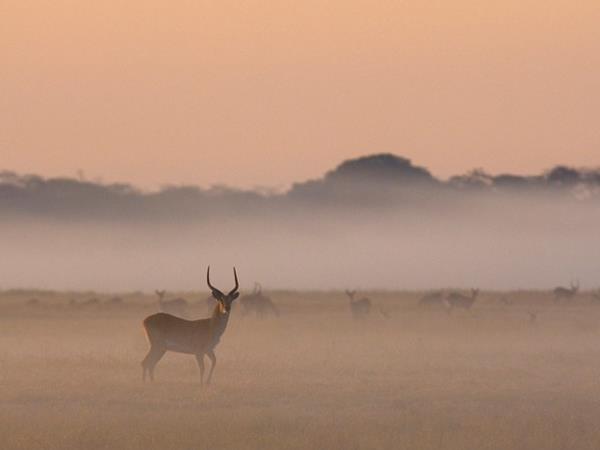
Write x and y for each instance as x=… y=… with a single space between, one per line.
x=523 y=374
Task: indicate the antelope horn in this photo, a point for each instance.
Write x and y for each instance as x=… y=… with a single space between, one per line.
x=208 y=282
x=237 y=284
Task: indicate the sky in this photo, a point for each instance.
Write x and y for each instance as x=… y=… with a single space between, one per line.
x=256 y=93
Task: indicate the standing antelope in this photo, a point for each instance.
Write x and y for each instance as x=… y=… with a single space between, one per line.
x=195 y=337
x=258 y=303
x=457 y=300
x=432 y=298
x=359 y=308
x=176 y=306
x=532 y=317
x=567 y=293
x=114 y=301
x=505 y=300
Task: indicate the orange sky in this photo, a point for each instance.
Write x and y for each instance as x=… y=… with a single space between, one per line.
x=257 y=93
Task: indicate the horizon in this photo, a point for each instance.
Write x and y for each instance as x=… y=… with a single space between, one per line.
x=82 y=176
x=503 y=232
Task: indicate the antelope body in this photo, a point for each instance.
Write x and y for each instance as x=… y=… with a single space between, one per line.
x=166 y=332
x=562 y=292
x=359 y=308
x=457 y=300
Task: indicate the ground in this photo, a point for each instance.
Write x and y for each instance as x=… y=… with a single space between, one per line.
x=314 y=378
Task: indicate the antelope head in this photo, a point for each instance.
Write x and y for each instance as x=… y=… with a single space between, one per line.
x=574 y=287
x=161 y=294
x=224 y=300
x=351 y=295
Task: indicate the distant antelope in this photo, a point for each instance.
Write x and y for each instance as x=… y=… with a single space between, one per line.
x=562 y=292
x=506 y=300
x=457 y=300
x=359 y=308
x=384 y=313
x=33 y=302
x=166 y=332
x=432 y=298
x=114 y=301
x=90 y=302
x=258 y=303
x=532 y=317
x=176 y=306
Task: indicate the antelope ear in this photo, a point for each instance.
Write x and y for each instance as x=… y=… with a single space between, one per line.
x=235 y=295
x=217 y=295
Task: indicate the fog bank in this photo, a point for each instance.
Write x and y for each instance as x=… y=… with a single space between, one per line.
x=374 y=222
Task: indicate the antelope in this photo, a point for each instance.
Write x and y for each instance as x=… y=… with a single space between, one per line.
x=33 y=302
x=567 y=293
x=166 y=332
x=505 y=300
x=432 y=298
x=359 y=308
x=532 y=317
x=176 y=306
x=457 y=300
x=114 y=301
x=384 y=313
x=258 y=303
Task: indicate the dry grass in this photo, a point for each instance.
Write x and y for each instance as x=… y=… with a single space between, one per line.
x=485 y=379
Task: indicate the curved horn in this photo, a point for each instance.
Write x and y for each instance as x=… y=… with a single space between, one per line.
x=208 y=282
x=237 y=284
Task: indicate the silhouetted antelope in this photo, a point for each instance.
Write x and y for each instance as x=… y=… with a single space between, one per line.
x=457 y=300
x=359 y=308
x=258 y=303
x=166 y=332
x=562 y=292
x=176 y=306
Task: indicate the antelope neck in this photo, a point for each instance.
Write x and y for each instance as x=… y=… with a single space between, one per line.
x=218 y=322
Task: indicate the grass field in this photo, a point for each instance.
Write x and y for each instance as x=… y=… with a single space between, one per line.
x=70 y=377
